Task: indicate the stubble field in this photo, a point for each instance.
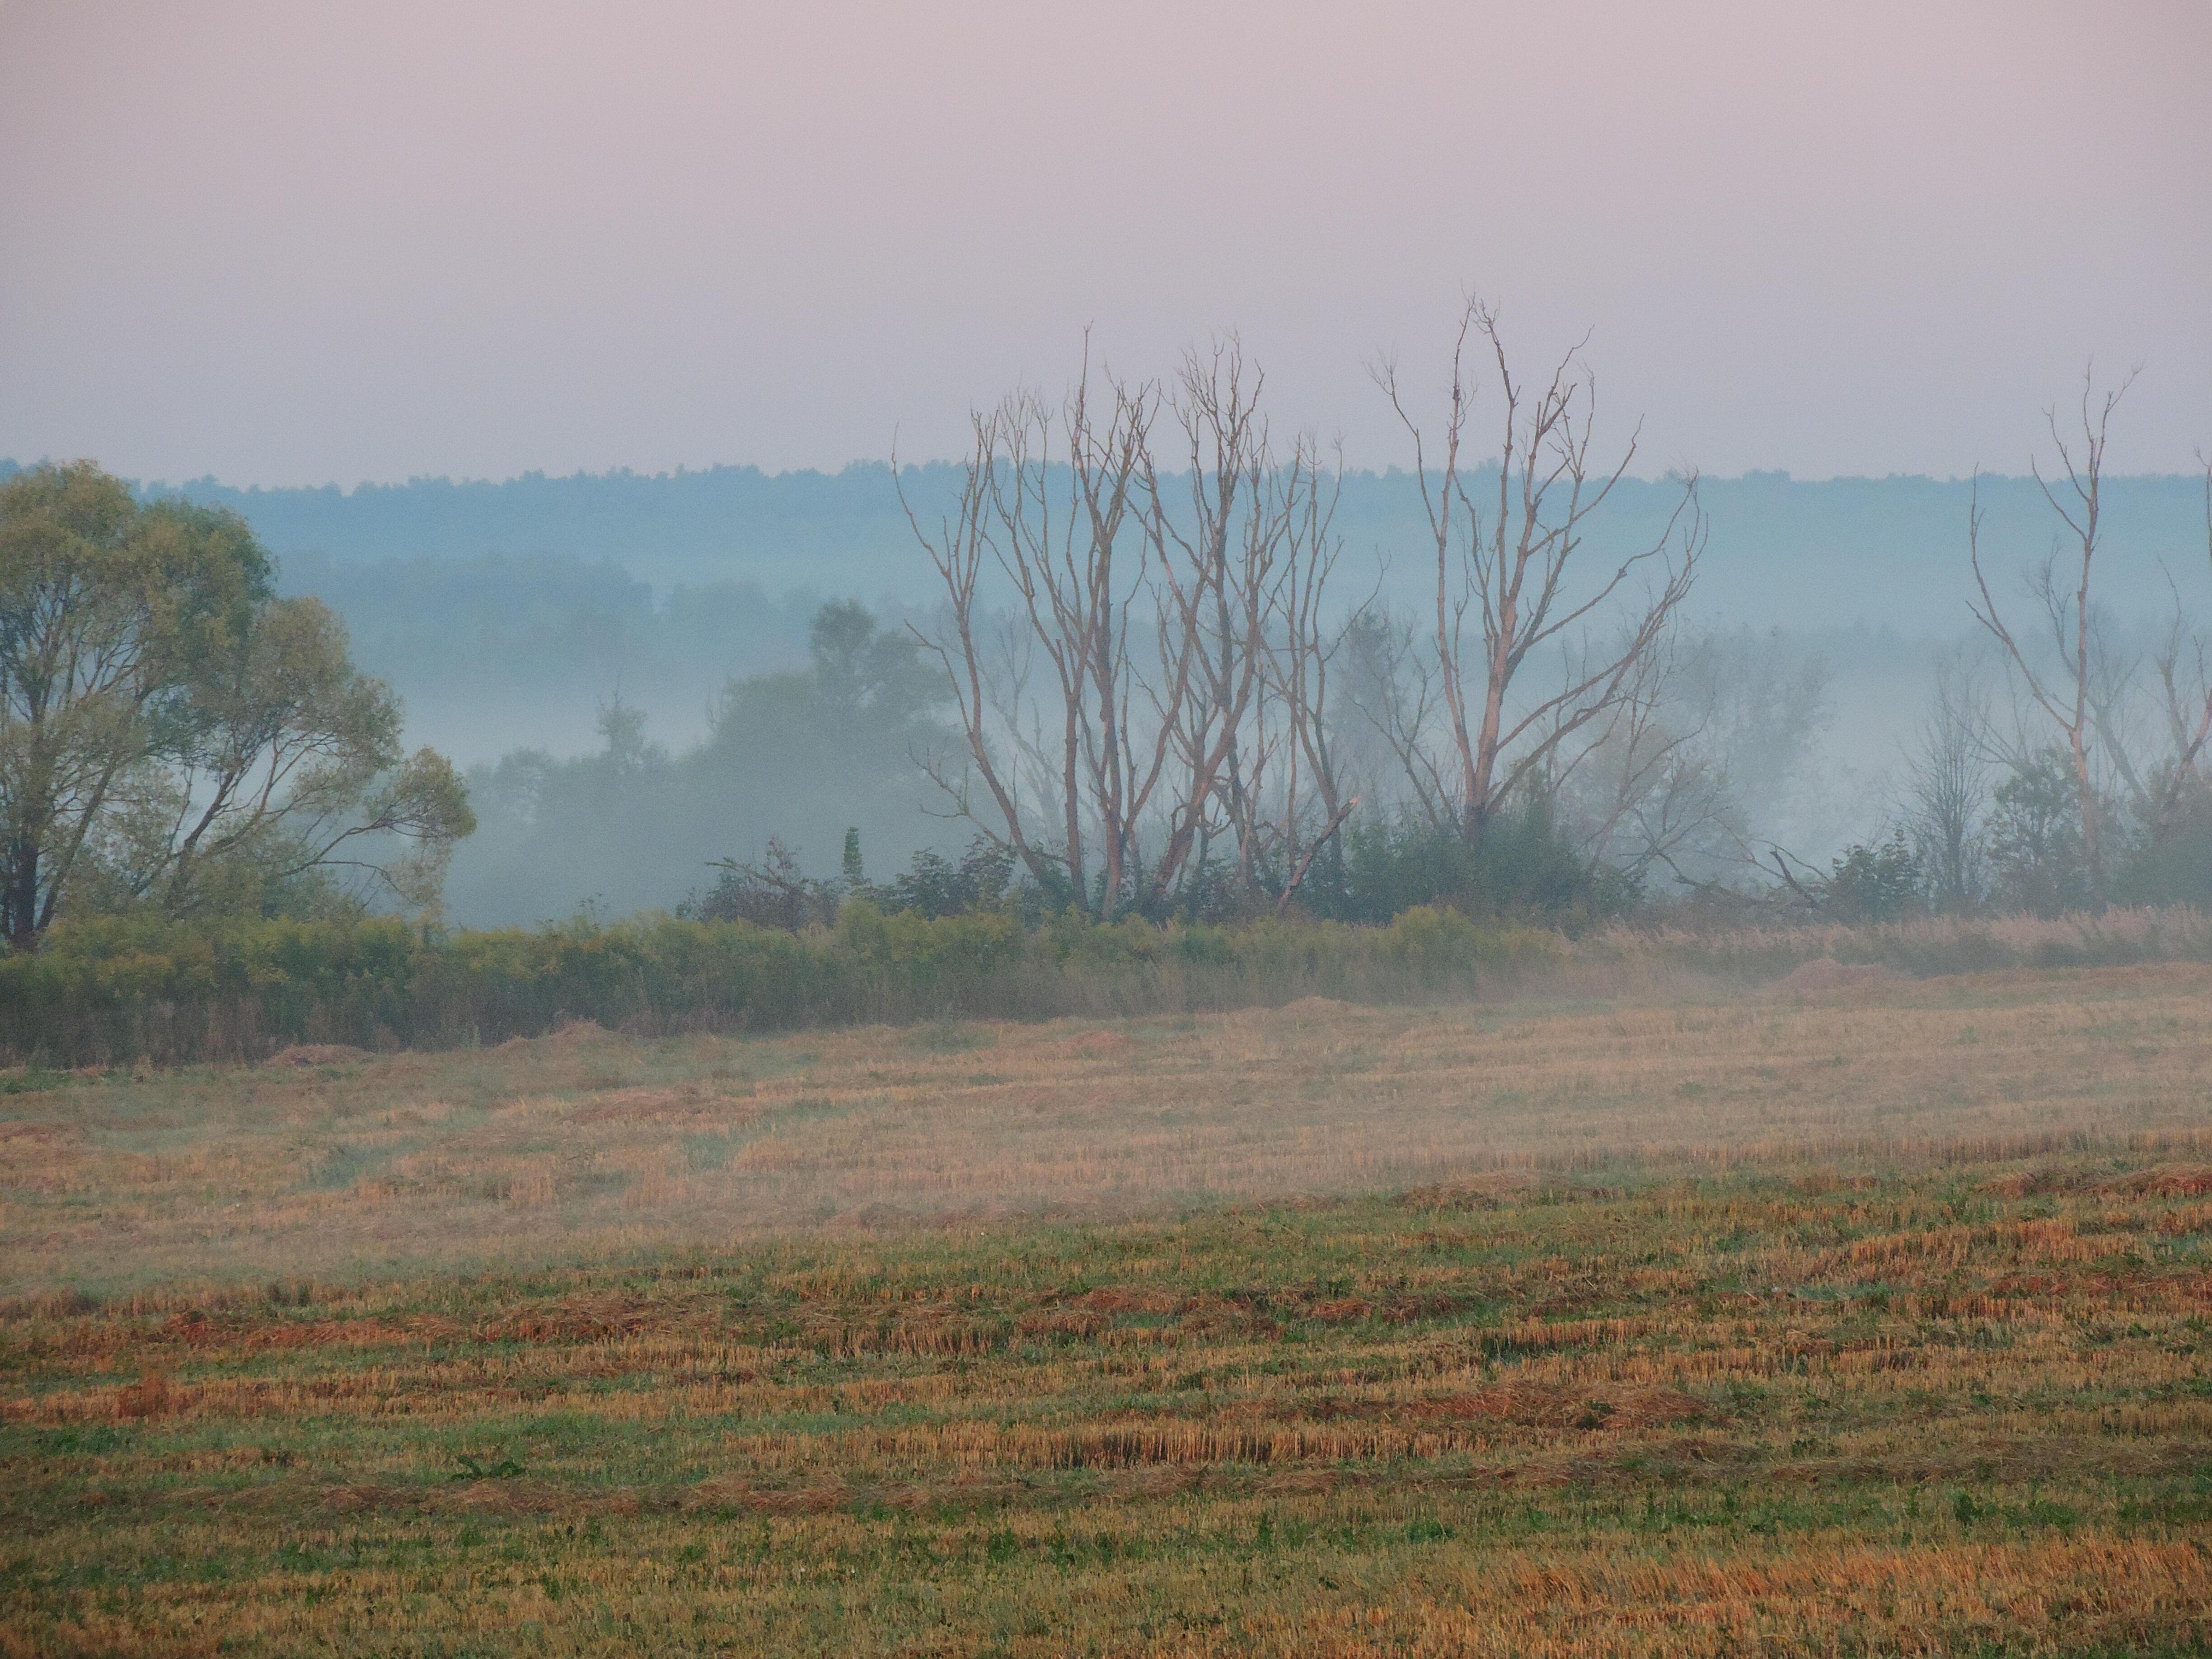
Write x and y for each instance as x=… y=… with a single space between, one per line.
x=1868 y=1315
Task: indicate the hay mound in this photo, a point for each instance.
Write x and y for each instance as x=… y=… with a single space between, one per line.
x=301 y=1054
x=568 y=1035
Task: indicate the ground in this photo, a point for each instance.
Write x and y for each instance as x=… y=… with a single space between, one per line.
x=1870 y=1315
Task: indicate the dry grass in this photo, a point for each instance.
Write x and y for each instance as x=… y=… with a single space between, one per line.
x=1870 y=1317
x=1919 y=945
x=1960 y=1411
x=585 y=1146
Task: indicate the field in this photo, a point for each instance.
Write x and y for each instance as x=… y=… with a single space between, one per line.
x=1865 y=1314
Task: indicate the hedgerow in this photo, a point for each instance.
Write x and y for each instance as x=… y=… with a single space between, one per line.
x=112 y=990
x=115 y=990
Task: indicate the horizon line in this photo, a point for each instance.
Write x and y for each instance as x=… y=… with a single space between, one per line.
x=10 y=466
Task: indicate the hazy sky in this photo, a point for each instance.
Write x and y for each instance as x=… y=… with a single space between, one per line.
x=299 y=242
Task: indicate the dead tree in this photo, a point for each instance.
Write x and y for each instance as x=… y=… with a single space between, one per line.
x=1947 y=779
x=1113 y=635
x=2069 y=697
x=1218 y=571
x=961 y=550
x=1061 y=531
x=1514 y=568
x=1304 y=646
x=1244 y=571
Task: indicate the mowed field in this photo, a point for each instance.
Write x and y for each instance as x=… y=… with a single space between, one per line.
x=1857 y=1316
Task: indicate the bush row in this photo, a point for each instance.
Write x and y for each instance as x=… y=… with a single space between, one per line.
x=118 y=990
x=114 y=990
x=1923 y=947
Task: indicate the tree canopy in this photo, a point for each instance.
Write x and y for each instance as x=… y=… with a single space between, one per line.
x=173 y=735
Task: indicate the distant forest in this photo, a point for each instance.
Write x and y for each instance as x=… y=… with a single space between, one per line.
x=506 y=614
x=1883 y=552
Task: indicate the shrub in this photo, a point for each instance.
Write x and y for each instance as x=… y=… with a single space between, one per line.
x=2036 y=858
x=116 y=990
x=774 y=893
x=1522 y=865
x=1874 y=883
x=2171 y=860
x=934 y=885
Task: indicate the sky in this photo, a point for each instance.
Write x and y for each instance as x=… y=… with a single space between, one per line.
x=301 y=241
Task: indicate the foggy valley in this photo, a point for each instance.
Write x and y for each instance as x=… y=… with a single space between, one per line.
x=1245 y=831
x=511 y=616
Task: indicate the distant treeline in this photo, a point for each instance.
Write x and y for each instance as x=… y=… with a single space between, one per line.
x=536 y=622
x=1783 y=552
x=500 y=653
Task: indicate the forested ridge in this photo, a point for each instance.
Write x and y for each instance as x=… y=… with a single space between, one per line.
x=1784 y=551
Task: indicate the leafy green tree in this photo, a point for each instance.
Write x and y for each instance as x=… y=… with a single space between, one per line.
x=802 y=757
x=2038 y=857
x=172 y=734
x=934 y=885
x=773 y=893
x=864 y=696
x=1525 y=867
x=2170 y=856
x=290 y=772
x=1874 y=883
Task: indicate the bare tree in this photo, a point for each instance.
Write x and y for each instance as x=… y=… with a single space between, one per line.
x=1948 y=784
x=2082 y=688
x=1063 y=533
x=1299 y=673
x=1130 y=707
x=1514 y=568
x=1220 y=576
x=962 y=548
x=1247 y=583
